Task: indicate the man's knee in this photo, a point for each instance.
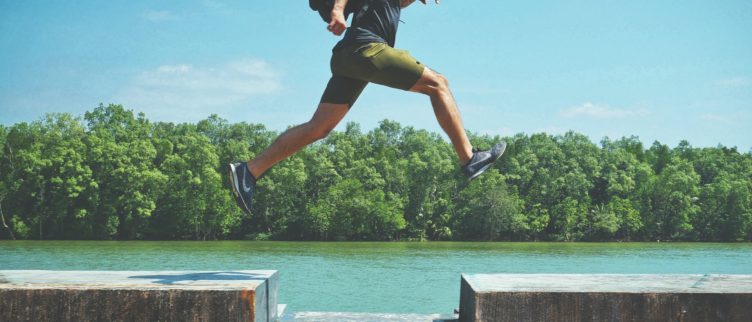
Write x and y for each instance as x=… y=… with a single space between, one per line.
x=434 y=84
x=443 y=82
x=320 y=130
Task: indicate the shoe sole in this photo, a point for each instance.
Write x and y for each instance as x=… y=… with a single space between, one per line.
x=236 y=189
x=485 y=167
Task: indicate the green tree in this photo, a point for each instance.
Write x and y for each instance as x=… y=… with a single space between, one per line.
x=659 y=155
x=726 y=210
x=618 y=189
x=488 y=211
x=351 y=211
x=281 y=198
x=21 y=168
x=122 y=157
x=115 y=175
x=672 y=202
x=68 y=183
x=430 y=187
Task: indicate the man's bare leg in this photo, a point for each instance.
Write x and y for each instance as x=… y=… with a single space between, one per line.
x=436 y=87
x=325 y=119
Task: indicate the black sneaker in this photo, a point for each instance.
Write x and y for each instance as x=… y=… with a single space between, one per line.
x=243 y=185
x=482 y=160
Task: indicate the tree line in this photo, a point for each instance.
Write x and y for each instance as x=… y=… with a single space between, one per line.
x=115 y=175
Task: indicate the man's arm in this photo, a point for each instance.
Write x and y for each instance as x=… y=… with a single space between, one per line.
x=405 y=3
x=338 y=24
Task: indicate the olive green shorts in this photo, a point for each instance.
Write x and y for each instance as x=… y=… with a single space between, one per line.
x=354 y=67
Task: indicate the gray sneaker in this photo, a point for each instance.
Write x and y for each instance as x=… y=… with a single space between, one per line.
x=482 y=160
x=243 y=185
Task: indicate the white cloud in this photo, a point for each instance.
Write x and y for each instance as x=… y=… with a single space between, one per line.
x=185 y=91
x=716 y=118
x=158 y=16
x=589 y=109
x=739 y=81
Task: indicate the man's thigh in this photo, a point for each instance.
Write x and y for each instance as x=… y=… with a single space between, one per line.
x=343 y=90
x=378 y=63
x=396 y=68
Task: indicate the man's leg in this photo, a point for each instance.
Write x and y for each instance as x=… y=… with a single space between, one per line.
x=327 y=117
x=436 y=87
x=398 y=69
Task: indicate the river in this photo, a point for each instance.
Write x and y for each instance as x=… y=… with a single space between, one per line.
x=391 y=277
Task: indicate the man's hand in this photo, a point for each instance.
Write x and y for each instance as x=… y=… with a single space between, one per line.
x=407 y=3
x=338 y=24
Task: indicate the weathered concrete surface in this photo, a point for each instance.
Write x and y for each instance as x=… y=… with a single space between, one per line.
x=138 y=295
x=572 y=297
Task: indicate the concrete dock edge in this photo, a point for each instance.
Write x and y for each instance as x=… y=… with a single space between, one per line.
x=246 y=295
x=606 y=297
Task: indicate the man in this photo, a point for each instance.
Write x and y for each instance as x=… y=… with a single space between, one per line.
x=366 y=54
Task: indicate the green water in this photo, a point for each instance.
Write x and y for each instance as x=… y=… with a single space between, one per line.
x=378 y=277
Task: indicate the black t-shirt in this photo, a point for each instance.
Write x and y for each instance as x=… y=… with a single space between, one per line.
x=377 y=24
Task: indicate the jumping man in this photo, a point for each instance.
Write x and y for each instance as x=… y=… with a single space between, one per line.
x=366 y=54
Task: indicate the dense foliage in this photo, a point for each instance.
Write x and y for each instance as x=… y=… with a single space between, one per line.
x=113 y=175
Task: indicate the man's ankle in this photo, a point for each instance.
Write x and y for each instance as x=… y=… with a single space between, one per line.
x=250 y=170
x=465 y=161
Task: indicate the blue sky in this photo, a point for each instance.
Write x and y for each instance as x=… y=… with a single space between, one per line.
x=658 y=69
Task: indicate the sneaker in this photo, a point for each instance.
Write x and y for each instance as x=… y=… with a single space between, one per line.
x=482 y=160
x=243 y=185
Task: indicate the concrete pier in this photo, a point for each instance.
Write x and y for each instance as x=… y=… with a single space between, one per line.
x=570 y=297
x=138 y=296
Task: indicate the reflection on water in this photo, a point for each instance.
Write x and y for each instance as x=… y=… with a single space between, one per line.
x=378 y=277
